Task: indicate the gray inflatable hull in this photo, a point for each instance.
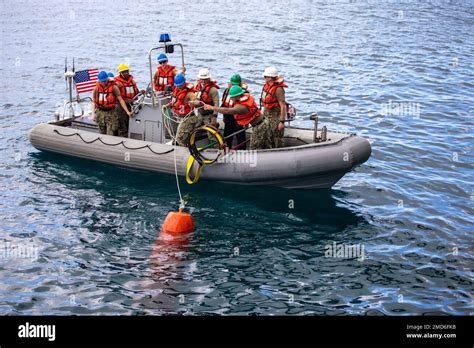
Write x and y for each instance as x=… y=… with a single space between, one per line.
x=307 y=166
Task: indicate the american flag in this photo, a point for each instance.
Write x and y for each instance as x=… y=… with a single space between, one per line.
x=86 y=80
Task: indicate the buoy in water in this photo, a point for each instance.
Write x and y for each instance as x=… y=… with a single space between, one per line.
x=178 y=223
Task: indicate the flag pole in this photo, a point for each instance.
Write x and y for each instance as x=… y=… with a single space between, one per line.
x=69 y=77
x=78 y=98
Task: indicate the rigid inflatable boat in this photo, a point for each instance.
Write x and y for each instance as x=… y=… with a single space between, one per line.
x=309 y=159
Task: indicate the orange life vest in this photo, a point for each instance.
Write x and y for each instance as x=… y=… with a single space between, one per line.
x=164 y=78
x=105 y=98
x=268 y=99
x=226 y=101
x=128 y=88
x=202 y=92
x=254 y=112
x=177 y=100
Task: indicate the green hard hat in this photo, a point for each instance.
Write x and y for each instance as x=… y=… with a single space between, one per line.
x=235 y=91
x=235 y=79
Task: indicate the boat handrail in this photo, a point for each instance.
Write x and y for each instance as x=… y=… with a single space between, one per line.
x=69 y=105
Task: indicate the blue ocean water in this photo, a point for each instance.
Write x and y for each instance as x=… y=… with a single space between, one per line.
x=397 y=72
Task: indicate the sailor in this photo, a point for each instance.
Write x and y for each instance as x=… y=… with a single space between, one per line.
x=105 y=98
x=246 y=112
x=273 y=101
x=183 y=107
x=128 y=91
x=165 y=74
x=111 y=76
x=230 y=123
x=207 y=93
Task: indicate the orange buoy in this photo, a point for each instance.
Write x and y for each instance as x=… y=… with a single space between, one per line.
x=178 y=223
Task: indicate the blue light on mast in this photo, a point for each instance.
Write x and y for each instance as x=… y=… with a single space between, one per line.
x=165 y=37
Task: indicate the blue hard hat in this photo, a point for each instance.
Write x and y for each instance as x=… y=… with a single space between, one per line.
x=102 y=77
x=179 y=80
x=162 y=57
x=110 y=74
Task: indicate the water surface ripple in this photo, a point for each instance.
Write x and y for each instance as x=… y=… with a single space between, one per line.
x=96 y=226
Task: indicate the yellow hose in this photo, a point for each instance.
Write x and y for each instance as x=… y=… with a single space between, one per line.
x=201 y=161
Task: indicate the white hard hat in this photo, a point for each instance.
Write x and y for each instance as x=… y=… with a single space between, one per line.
x=204 y=74
x=270 y=72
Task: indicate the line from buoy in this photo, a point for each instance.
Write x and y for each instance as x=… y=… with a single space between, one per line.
x=177 y=223
x=182 y=204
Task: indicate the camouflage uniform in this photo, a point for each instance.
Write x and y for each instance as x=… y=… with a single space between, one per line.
x=123 y=120
x=274 y=116
x=100 y=119
x=188 y=125
x=262 y=135
x=111 y=121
